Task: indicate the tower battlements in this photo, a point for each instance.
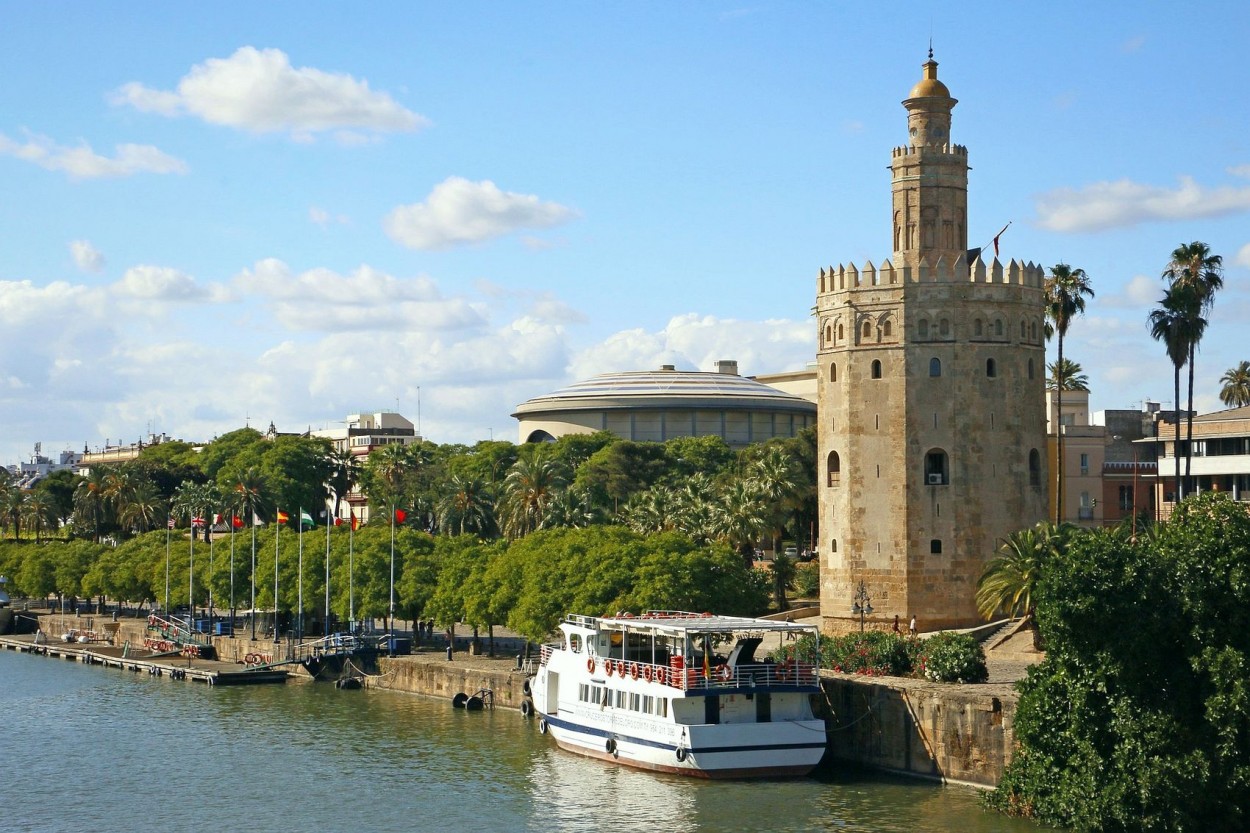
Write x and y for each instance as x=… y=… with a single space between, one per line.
x=848 y=277
x=913 y=150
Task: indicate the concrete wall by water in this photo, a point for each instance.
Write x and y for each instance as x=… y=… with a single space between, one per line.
x=952 y=733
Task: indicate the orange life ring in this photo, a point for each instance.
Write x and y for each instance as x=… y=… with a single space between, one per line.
x=723 y=673
x=633 y=670
x=607 y=667
x=661 y=675
x=646 y=672
x=590 y=664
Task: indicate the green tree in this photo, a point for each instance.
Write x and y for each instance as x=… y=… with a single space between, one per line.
x=91 y=501
x=13 y=507
x=1068 y=376
x=741 y=518
x=1173 y=322
x=41 y=512
x=1008 y=583
x=619 y=469
x=59 y=487
x=688 y=456
x=344 y=474
x=244 y=442
x=1235 y=392
x=1138 y=718
x=1065 y=290
x=465 y=507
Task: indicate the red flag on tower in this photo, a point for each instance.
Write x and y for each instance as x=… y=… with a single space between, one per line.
x=400 y=515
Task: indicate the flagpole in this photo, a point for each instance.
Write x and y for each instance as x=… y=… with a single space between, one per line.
x=329 y=523
x=169 y=525
x=232 y=519
x=208 y=532
x=253 y=613
x=390 y=621
x=351 y=566
x=191 y=579
x=277 y=528
x=299 y=617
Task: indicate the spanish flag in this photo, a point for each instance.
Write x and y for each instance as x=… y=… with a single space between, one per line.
x=283 y=517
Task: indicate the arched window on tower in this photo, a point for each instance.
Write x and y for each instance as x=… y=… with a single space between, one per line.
x=977 y=328
x=1035 y=468
x=998 y=328
x=886 y=329
x=841 y=335
x=936 y=468
x=876 y=368
x=935 y=366
x=833 y=372
x=867 y=330
x=1030 y=368
x=945 y=328
x=828 y=334
x=1024 y=330
x=923 y=328
x=834 y=470
x=991 y=368
x=1033 y=332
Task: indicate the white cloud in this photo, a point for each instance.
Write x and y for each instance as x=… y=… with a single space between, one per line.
x=1240 y=170
x=1243 y=256
x=1106 y=205
x=366 y=299
x=81 y=162
x=459 y=211
x=159 y=283
x=320 y=217
x=697 y=342
x=86 y=257
x=258 y=90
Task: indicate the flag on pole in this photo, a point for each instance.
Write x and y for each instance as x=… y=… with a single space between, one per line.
x=197 y=522
x=355 y=521
x=236 y=522
x=283 y=517
x=216 y=519
x=256 y=521
x=400 y=515
x=1000 y=234
x=338 y=521
x=171 y=523
x=305 y=519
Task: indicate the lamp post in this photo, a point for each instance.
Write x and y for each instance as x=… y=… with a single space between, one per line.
x=861 y=604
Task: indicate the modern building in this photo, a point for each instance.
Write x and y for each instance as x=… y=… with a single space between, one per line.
x=660 y=405
x=1221 y=458
x=931 y=366
x=362 y=434
x=27 y=475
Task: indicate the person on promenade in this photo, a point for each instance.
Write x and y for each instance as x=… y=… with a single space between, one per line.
x=897 y=630
x=911 y=629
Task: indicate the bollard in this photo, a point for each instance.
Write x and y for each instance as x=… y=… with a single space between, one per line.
x=519 y=662
x=449 y=653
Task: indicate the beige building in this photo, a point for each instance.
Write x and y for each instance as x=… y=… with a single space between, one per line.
x=362 y=434
x=931 y=366
x=1221 y=459
x=660 y=405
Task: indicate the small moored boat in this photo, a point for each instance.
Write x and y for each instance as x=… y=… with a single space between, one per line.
x=680 y=692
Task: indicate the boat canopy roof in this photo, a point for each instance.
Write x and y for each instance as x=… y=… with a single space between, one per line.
x=679 y=623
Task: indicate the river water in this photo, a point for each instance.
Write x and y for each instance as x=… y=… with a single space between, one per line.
x=93 y=749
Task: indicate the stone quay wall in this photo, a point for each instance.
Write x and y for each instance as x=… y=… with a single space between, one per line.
x=959 y=734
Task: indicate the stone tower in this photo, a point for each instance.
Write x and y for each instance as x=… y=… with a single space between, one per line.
x=932 y=433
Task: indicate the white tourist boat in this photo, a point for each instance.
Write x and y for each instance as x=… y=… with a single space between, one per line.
x=680 y=692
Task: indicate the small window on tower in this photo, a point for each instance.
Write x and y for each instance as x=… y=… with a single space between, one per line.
x=991 y=368
x=867 y=330
x=945 y=327
x=935 y=366
x=923 y=328
x=886 y=329
x=935 y=546
x=876 y=368
x=833 y=372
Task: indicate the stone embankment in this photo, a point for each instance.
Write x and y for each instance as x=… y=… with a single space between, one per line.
x=953 y=733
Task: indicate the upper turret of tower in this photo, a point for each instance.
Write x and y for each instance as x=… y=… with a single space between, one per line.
x=929 y=109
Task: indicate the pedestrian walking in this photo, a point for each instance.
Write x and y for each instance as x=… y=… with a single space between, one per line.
x=911 y=629
x=897 y=630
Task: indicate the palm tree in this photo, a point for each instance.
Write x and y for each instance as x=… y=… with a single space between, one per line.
x=775 y=476
x=40 y=512
x=1009 y=580
x=1065 y=290
x=655 y=510
x=195 y=499
x=1172 y=323
x=741 y=518
x=467 y=505
x=1068 y=376
x=1236 y=382
x=344 y=472
x=528 y=490
x=91 y=499
x=13 y=503
x=143 y=508
x=573 y=507
x=1194 y=267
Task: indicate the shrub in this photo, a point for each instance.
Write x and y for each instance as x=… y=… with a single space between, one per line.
x=807 y=580
x=874 y=653
x=953 y=658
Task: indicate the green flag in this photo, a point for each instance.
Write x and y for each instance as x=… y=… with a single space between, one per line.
x=305 y=519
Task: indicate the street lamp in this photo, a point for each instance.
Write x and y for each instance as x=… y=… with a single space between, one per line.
x=861 y=604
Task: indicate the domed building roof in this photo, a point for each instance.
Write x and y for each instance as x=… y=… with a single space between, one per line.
x=657 y=405
x=930 y=86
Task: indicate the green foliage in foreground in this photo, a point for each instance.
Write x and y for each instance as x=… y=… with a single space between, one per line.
x=943 y=657
x=1139 y=717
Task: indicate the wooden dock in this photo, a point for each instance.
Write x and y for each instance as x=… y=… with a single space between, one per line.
x=140 y=660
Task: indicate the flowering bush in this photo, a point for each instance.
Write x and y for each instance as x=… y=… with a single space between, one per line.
x=952 y=658
x=873 y=653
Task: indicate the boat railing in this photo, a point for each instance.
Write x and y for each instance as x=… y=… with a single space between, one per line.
x=752 y=675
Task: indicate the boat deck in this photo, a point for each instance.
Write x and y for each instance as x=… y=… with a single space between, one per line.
x=174 y=666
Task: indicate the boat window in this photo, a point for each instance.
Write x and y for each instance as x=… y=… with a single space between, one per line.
x=620 y=699
x=661 y=706
x=575 y=643
x=635 y=703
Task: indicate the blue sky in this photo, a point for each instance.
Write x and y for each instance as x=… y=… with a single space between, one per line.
x=288 y=212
